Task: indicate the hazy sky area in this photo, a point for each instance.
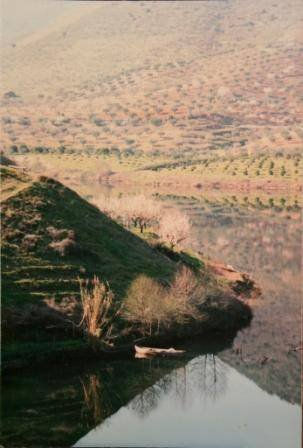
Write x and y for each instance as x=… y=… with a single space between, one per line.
x=19 y=18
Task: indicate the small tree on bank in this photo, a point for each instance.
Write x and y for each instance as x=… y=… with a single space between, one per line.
x=174 y=228
x=143 y=304
x=138 y=211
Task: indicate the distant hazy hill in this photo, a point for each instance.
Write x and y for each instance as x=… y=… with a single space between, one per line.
x=161 y=77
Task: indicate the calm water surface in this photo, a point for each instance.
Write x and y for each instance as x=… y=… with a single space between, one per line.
x=239 y=393
x=204 y=404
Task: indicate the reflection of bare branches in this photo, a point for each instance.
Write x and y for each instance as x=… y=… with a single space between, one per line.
x=145 y=402
x=180 y=385
x=204 y=377
x=98 y=399
x=209 y=376
x=91 y=394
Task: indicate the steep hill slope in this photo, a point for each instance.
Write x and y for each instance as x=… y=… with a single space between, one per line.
x=51 y=236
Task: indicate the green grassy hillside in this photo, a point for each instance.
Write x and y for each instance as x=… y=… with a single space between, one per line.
x=51 y=236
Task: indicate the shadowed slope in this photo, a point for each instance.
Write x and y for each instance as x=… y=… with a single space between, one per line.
x=50 y=236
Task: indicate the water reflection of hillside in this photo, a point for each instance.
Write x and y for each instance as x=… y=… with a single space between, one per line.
x=57 y=408
x=265 y=243
x=200 y=404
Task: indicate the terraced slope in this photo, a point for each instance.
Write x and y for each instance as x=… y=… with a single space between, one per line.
x=12 y=181
x=51 y=236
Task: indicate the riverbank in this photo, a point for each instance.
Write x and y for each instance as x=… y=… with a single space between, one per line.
x=47 y=247
x=23 y=356
x=223 y=317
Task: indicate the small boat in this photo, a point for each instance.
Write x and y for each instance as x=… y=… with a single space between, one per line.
x=141 y=352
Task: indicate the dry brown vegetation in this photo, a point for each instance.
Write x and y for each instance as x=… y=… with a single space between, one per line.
x=170 y=225
x=175 y=228
x=138 y=211
x=171 y=83
x=99 y=310
x=154 y=308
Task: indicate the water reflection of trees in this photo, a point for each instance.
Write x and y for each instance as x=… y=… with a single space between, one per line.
x=58 y=408
x=203 y=378
x=92 y=411
x=209 y=377
x=104 y=392
x=100 y=398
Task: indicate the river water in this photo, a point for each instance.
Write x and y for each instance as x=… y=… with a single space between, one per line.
x=201 y=405
x=238 y=393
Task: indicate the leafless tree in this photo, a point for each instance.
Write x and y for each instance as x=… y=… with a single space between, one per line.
x=174 y=228
x=138 y=211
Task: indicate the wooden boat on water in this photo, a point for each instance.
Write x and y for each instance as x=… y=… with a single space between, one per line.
x=142 y=352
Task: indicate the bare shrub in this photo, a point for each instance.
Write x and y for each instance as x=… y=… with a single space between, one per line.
x=67 y=305
x=64 y=240
x=174 y=228
x=63 y=247
x=56 y=233
x=142 y=305
x=99 y=310
x=185 y=296
x=30 y=241
x=13 y=234
x=154 y=308
x=13 y=316
x=47 y=314
x=143 y=211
